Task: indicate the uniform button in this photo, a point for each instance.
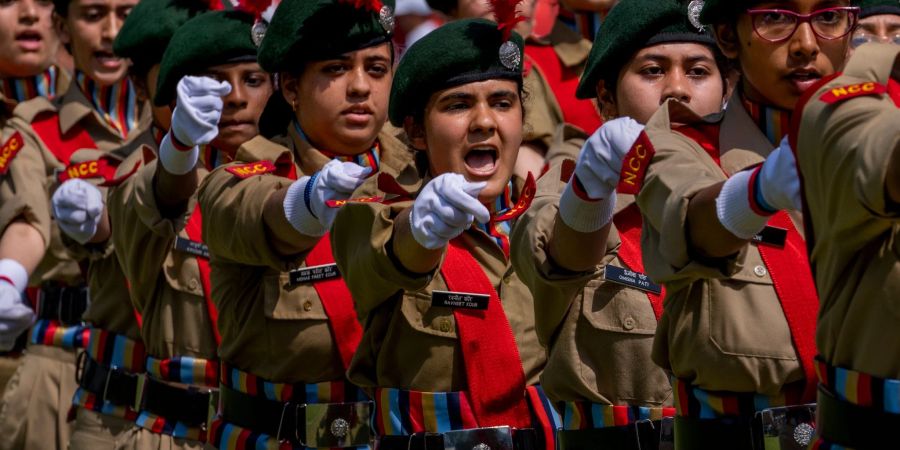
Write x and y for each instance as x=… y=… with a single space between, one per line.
x=760 y=271
x=444 y=325
x=193 y=284
x=628 y=323
x=307 y=305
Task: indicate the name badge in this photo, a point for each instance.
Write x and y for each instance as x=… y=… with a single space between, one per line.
x=465 y=300
x=631 y=278
x=195 y=248
x=314 y=273
x=772 y=236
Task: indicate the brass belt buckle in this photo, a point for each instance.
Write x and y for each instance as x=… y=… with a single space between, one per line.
x=785 y=428
x=493 y=438
x=336 y=425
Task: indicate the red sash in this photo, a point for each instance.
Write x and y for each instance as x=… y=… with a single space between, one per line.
x=61 y=145
x=564 y=82
x=628 y=223
x=338 y=303
x=194 y=230
x=493 y=367
x=789 y=268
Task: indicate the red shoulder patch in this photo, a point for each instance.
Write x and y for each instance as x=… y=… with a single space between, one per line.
x=634 y=165
x=842 y=93
x=248 y=170
x=9 y=150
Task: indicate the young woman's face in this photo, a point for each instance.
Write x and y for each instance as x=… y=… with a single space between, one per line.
x=777 y=73
x=686 y=72
x=28 y=41
x=878 y=28
x=251 y=88
x=341 y=104
x=90 y=29
x=475 y=130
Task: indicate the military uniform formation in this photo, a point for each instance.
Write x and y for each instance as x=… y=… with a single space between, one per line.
x=252 y=225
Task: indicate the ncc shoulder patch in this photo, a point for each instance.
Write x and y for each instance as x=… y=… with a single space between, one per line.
x=9 y=150
x=634 y=165
x=842 y=93
x=248 y=170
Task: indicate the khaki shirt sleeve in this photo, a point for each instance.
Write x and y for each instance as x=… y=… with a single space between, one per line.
x=361 y=240
x=567 y=143
x=23 y=190
x=233 y=225
x=679 y=169
x=541 y=120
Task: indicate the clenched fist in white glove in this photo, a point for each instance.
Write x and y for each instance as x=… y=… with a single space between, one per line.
x=195 y=121
x=15 y=315
x=78 y=209
x=445 y=208
x=305 y=203
x=588 y=202
x=773 y=186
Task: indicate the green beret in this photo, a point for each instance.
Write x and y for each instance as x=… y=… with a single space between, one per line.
x=631 y=26
x=460 y=52
x=444 y=6
x=314 y=30
x=146 y=32
x=209 y=39
x=876 y=7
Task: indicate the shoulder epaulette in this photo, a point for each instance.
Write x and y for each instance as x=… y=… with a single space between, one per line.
x=842 y=93
x=248 y=170
x=9 y=150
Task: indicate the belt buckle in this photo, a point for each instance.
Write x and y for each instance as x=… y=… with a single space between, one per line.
x=667 y=433
x=784 y=428
x=491 y=438
x=109 y=373
x=335 y=425
x=139 y=392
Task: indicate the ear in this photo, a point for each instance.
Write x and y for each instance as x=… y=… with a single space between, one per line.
x=606 y=99
x=62 y=29
x=727 y=40
x=289 y=88
x=415 y=132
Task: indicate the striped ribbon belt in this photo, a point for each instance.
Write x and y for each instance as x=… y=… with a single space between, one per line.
x=588 y=415
x=691 y=401
x=107 y=374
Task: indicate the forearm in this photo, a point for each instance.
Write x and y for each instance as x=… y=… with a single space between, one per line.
x=576 y=251
x=23 y=243
x=286 y=240
x=173 y=191
x=410 y=254
x=706 y=235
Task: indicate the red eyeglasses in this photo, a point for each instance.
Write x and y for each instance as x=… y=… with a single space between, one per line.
x=776 y=25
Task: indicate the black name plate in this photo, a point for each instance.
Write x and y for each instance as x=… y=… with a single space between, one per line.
x=465 y=300
x=314 y=273
x=188 y=246
x=632 y=279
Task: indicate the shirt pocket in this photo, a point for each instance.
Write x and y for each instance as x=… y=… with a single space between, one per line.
x=286 y=302
x=422 y=317
x=182 y=273
x=608 y=306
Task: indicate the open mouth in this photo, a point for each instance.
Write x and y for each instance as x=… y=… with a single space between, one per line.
x=107 y=59
x=29 y=39
x=482 y=160
x=804 y=79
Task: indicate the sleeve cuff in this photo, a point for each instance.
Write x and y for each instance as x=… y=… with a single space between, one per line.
x=735 y=208
x=583 y=215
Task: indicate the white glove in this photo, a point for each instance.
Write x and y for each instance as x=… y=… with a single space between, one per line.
x=305 y=203
x=746 y=203
x=78 y=208
x=445 y=208
x=15 y=315
x=600 y=160
x=195 y=121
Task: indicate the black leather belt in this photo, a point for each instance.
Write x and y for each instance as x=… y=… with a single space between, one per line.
x=114 y=385
x=643 y=435
x=314 y=425
x=65 y=304
x=733 y=433
x=189 y=405
x=495 y=438
x=855 y=426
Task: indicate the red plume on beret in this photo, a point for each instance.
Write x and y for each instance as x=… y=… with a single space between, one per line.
x=254 y=7
x=506 y=15
x=371 y=5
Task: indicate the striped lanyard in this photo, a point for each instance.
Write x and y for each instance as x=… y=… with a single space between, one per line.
x=27 y=88
x=115 y=104
x=774 y=122
x=500 y=231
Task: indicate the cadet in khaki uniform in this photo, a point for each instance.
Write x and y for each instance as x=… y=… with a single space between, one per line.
x=879 y=21
x=76 y=134
x=28 y=48
x=209 y=66
x=737 y=329
x=445 y=365
x=847 y=154
x=595 y=309
x=286 y=319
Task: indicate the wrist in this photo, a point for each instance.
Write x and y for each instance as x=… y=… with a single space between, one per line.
x=756 y=198
x=297 y=211
x=13 y=273
x=581 y=213
x=176 y=157
x=736 y=208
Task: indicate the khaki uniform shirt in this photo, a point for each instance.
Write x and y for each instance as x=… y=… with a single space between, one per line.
x=599 y=334
x=844 y=151
x=165 y=283
x=723 y=328
x=110 y=306
x=269 y=328
x=407 y=343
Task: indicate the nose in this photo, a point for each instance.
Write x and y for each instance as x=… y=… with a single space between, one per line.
x=804 y=44
x=483 y=120
x=28 y=11
x=358 y=85
x=111 y=26
x=237 y=98
x=676 y=86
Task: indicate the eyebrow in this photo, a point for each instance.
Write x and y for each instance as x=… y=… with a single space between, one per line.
x=456 y=96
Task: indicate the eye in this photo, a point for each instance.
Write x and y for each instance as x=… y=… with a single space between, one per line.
x=378 y=70
x=699 y=72
x=6 y=2
x=255 y=80
x=92 y=14
x=123 y=13
x=828 y=17
x=775 y=18
x=335 y=69
x=652 y=71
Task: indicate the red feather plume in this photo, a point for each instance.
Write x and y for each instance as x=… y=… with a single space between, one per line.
x=254 y=7
x=506 y=15
x=371 y=5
